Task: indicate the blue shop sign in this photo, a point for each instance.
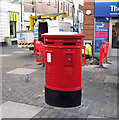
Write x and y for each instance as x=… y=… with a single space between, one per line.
x=106 y=9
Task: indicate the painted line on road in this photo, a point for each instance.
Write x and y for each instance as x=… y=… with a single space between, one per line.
x=5 y=55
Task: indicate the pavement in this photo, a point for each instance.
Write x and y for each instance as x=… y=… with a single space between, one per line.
x=25 y=99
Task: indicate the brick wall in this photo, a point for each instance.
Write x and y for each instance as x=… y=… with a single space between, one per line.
x=45 y=8
x=88 y=24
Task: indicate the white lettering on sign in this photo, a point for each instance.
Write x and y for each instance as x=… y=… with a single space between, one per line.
x=100 y=25
x=114 y=8
x=49 y=57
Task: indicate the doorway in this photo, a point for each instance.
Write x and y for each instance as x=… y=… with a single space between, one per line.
x=114 y=37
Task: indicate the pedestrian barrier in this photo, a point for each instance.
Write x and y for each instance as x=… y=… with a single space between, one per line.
x=35 y=46
x=104 y=49
x=25 y=43
x=84 y=59
x=39 y=51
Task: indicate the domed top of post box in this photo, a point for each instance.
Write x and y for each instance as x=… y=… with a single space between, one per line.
x=63 y=35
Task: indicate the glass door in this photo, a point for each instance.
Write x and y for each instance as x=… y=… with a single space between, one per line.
x=114 y=37
x=115 y=34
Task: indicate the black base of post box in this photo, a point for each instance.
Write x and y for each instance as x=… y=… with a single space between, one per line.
x=62 y=98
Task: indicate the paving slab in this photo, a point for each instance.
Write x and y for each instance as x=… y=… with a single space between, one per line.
x=92 y=116
x=111 y=79
x=22 y=71
x=18 y=110
x=5 y=55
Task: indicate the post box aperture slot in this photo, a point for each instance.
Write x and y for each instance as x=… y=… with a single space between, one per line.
x=69 y=43
x=49 y=43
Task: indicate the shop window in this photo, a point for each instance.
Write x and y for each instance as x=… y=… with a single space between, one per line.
x=13 y=21
x=115 y=35
x=12 y=29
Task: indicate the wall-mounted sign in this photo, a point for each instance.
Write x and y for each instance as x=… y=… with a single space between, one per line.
x=49 y=57
x=108 y=9
x=13 y=17
x=22 y=38
x=101 y=34
x=88 y=12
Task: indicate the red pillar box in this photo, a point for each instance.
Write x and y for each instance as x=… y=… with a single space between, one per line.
x=63 y=63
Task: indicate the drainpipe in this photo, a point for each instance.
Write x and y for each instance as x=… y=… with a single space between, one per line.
x=35 y=9
x=73 y=17
x=58 y=6
x=21 y=17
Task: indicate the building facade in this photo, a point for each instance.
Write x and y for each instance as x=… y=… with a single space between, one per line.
x=10 y=15
x=101 y=22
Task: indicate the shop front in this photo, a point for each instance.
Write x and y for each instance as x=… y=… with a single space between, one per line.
x=107 y=25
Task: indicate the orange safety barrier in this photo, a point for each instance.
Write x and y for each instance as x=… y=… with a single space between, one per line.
x=84 y=60
x=39 y=51
x=35 y=47
x=104 y=49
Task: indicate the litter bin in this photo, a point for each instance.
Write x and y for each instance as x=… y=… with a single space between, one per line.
x=63 y=63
